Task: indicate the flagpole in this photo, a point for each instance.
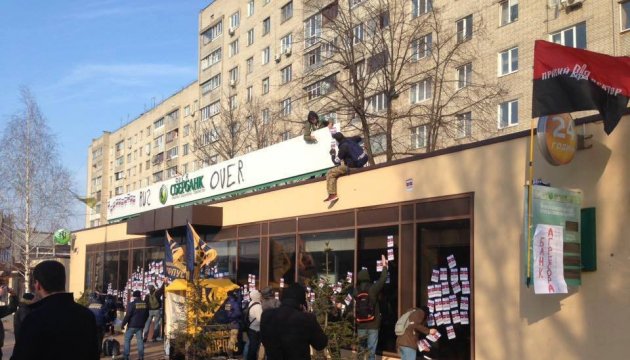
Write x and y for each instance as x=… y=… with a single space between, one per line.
x=530 y=188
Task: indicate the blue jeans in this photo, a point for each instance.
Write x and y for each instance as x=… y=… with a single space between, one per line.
x=372 y=341
x=407 y=353
x=128 y=335
x=157 y=315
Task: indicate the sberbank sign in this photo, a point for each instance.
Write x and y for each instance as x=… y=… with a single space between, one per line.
x=186 y=186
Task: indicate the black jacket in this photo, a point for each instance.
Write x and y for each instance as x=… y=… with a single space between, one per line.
x=287 y=333
x=18 y=318
x=57 y=328
x=4 y=311
x=137 y=314
x=344 y=152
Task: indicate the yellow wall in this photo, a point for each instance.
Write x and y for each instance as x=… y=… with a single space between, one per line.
x=592 y=321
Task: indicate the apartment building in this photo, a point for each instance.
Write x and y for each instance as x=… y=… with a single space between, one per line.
x=264 y=63
x=155 y=146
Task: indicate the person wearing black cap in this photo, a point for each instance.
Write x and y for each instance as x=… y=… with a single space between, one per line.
x=288 y=331
x=136 y=316
x=313 y=123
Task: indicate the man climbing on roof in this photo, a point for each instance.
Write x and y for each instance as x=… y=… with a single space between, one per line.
x=350 y=156
x=313 y=122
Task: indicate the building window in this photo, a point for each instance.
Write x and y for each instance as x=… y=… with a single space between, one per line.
x=312 y=30
x=250 y=7
x=249 y=94
x=464 y=124
x=574 y=36
x=250 y=37
x=420 y=7
x=156 y=124
x=250 y=65
x=172 y=135
x=266 y=55
x=119 y=175
x=171 y=153
x=508 y=61
x=358 y=34
x=464 y=29
x=213 y=58
x=285 y=44
x=421 y=91
x=248 y=261
x=625 y=15
x=509 y=11
x=233 y=48
x=418 y=137
x=286 y=135
x=265 y=116
x=158 y=142
x=211 y=110
x=286 y=74
x=265 y=85
x=313 y=59
x=119 y=190
x=235 y=20
x=186 y=110
x=378 y=143
x=422 y=47
x=354 y=3
x=172 y=172
x=213 y=83
x=212 y=33
x=233 y=75
x=232 y=102
x=286 y=107
x=464 y=75
x=185 y=149
x=186 y=130
x=266 y=26
x=377 y=103
x=286 y=12
x=508 y=114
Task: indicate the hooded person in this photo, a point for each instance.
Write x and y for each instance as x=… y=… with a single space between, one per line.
x=368 y=315
x=254 y=313
x=289 y=331
x=269 y=300
x=344 y=161
x=313 y=122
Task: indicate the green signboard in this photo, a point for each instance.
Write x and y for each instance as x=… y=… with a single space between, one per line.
x=559 y=207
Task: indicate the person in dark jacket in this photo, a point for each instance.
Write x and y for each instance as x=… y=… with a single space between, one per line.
x=407 y=343
x=136 y=316
x=100 y=315
x=288 y=332
x=57 y=327
x=368 y=331
x=154 y=302
x=343 y=161
x=234 y=313
x=313 y=123
x=23 y=310
x=5 y=311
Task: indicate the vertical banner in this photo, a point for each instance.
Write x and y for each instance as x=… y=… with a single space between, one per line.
x=558 y=208
x=548 y=260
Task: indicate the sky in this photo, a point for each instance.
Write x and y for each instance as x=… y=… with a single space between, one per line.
x=94 y=65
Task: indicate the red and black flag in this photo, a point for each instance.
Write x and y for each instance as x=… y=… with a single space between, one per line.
x=568 y=79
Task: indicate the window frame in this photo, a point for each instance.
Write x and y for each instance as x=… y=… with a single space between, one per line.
x=286 y=12
x=575 y=30
x=422 y=46
x=286 y=74
x=464 y=125
x=506 y=12
x=266 y=24
x=624 y=12
x=250 y=37
x=465 y=80
x=510 y=61
x=235 y=20
x=421 y=7
x=286 y=106
x=266 y=55
x=466 y=32
x=233 y=48
x=509 y=122
x=265 y=85
x=285 y=43
x=416 y=135
x=426 y=85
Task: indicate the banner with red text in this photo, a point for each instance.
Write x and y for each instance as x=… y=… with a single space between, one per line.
x=548 y=260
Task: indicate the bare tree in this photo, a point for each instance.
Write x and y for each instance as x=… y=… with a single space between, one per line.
x=36 y=192
x=360 y=59
x=231 y=129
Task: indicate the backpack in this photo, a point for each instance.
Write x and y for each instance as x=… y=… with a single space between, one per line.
x=358 y=155
x=111 y=347
x=154 y=303
x=403 y=322
x=245 y=322
x=364 y=309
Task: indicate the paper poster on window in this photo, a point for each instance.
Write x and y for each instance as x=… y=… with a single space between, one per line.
x=450 y=332
x=390 y=254
x=390 y=241
x=451 y=261
x=443 y=274
x=423 y=346
x=379 y=266
x=548 y=246
x=435 y=275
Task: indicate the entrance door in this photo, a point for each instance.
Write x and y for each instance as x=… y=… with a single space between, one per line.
x=443 y=248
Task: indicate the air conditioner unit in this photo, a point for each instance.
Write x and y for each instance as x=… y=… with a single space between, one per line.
x=571 y=3
x=288 y=51
x=232 y=83
x=231 y=31
x=277 y=57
